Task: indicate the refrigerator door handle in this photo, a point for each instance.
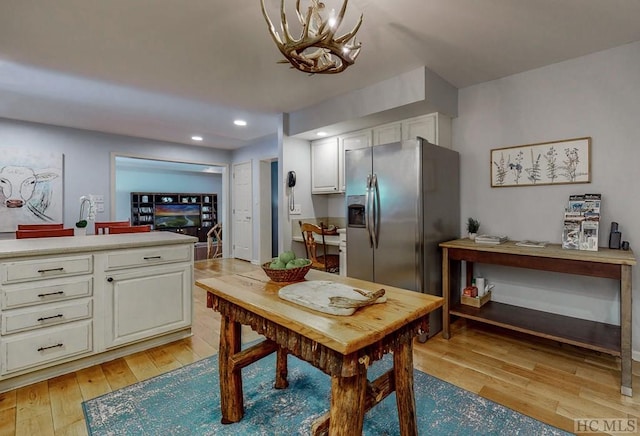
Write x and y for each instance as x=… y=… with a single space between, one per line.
x=368 y=221
x=375 y=210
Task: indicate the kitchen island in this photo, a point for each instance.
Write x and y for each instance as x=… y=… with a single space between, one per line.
x=341 y=346
x=71 y=302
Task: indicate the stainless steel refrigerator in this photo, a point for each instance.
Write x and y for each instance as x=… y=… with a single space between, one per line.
x=403 y=199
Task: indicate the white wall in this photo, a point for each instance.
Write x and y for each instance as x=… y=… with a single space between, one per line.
x=595 y=95
x=296 y=157
x=87 y=158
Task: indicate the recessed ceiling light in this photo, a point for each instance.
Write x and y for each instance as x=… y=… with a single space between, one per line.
x=321 y=133
x=197 y=138
x=240 y=122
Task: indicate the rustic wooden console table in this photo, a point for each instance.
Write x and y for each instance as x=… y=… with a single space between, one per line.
x=341 y=346
x=607 y=263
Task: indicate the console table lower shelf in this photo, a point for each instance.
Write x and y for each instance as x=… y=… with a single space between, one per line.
x=604 y=263
x=593 y=335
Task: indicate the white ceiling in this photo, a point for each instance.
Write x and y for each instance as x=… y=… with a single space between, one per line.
x=167 y=69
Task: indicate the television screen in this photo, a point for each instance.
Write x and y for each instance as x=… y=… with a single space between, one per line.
x=168 y=216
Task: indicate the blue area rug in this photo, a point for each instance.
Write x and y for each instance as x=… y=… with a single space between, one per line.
x=186 y=401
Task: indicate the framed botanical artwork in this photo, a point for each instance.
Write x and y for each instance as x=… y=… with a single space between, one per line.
x=546 y=163
x=30 y=188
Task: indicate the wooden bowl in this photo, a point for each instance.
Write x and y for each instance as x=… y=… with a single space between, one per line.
x=286 y=275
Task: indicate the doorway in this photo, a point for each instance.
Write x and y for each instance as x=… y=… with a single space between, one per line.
x=274 y=208
x=242 y=225
x=146 y=174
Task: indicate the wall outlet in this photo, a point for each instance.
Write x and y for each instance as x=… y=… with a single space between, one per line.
x=297 y=210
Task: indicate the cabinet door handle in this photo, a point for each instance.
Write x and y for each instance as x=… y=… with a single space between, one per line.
x=110 y=279
x=44 y=318
x=43 y=271
x=50 y=346
x=152 y=257
x=51 y=293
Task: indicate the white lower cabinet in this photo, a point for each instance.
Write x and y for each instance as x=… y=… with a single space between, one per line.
x=46 y=346
x=125 y=293
x=145 y=302
x=343 y=253
x=16 y=321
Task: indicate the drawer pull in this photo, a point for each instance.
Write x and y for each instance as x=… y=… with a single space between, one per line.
x=51 y=293
x=50 y=346
x=44 y=318
x=152 y=257
x=44 y=271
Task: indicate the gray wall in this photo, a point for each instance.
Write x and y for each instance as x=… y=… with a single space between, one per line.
x=597 y=96
x=87 y=158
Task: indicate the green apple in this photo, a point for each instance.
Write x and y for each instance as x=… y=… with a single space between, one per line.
x=287 y=256
x=277 y=264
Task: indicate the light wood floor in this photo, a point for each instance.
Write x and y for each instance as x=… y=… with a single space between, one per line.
x=539 y=378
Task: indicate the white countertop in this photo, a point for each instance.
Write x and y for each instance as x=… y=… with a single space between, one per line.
x=333 y=240
x=12 y=248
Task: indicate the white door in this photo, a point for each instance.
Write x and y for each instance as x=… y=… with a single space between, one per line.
x=242 y=211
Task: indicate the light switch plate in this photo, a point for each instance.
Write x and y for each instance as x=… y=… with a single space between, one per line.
x=297 y=210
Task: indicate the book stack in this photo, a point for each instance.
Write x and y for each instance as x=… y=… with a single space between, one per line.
x=530 y=243
x=490 y=239
x=581 y=222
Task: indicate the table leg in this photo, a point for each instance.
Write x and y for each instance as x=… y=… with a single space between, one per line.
x=469 y=272
x=347 y=403
x=625 y=331
x=446 y=293
x=281 y=369
x=231 y=397
x=405 y=398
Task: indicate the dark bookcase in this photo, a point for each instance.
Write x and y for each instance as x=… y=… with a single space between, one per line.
x=189 y=213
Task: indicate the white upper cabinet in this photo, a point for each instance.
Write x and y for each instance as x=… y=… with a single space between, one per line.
x=351 y=141
x=435 y=128
x=325 y=157
x=387 y=133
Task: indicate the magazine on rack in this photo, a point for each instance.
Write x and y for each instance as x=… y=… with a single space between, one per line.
x=581 y=222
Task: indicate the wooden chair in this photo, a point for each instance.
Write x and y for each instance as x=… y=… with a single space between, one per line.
x=40 y=226
x=129 y=229
x=324 y=262
x=214 y=242
x=102 y=227
x=45 y=233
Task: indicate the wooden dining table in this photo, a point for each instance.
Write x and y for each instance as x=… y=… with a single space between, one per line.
x=341 y=346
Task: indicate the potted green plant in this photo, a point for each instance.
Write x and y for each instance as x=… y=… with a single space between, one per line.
x=81 y=224
x=473 y=225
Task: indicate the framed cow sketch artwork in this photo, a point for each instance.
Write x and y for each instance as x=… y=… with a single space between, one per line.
x=30 y=188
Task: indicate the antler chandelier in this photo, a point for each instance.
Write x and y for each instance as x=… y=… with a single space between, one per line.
x=318 y=50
